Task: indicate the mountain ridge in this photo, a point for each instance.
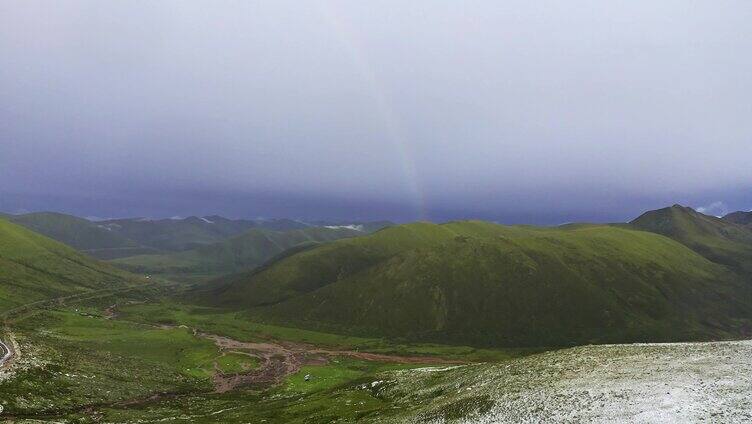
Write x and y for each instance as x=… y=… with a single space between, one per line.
x=717 y=239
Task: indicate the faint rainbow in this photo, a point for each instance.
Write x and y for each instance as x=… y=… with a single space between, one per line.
x=389 y=118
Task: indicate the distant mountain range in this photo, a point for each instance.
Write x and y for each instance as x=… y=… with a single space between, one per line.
x=118 y=238
x=187 y=249
x=241 y=252
x=670 y=275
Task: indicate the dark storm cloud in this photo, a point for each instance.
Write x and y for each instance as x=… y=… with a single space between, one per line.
x=518 y=112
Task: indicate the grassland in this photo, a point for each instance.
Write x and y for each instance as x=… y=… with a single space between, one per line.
x=234 y=362
x=240 y=326
x=77 y=358
x=89 y=361
x=70 y=360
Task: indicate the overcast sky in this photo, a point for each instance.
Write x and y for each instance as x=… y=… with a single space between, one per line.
x=539 y=112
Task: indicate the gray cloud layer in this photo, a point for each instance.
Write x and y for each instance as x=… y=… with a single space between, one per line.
x=520 y=112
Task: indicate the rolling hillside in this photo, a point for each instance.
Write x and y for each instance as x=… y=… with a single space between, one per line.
x=486 y=284
x=34 y=267
x=718 y=240
x=238 y=253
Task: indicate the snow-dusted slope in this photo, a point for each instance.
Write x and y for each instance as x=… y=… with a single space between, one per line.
x=644 y=383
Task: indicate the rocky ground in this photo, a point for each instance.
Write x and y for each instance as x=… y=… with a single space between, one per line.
x=678 y=382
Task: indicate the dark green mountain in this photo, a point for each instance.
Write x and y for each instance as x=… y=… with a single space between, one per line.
x=242 y=252
x=486 y=284
x=34 y=267
x=719 y=240
x=742 y=218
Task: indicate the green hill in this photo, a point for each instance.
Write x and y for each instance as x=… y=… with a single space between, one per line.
x=242 y=252
x=719 y=240
x=486 y=284
x=34 y=267
x=743 y=218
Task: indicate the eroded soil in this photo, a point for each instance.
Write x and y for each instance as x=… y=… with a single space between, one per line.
x=281 y=359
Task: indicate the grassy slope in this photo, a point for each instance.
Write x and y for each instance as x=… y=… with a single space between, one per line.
x=242 y=252
x=716 y=239
x=33 y=267
x=480 y=283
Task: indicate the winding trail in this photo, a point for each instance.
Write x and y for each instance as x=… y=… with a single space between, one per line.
x=10 y=353
x=5 y=353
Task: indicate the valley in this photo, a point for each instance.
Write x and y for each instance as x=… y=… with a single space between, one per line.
x=73 y=351
x=459 y=322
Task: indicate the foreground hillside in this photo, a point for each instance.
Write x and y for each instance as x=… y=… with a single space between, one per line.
x=481 y=283
x=238 y=253
x=34 y=267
